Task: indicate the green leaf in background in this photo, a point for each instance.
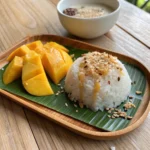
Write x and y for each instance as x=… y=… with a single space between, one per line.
x=62 y=104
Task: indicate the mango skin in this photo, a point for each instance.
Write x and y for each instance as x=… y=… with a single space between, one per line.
x=21 y=51
x=33 y=76
x=13 y=70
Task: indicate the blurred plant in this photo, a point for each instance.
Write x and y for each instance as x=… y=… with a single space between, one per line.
x=143 y=4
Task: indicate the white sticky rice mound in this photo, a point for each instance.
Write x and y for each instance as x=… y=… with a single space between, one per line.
x=110 y=95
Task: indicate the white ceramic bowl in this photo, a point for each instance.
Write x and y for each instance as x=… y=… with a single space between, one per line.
x=90 y=27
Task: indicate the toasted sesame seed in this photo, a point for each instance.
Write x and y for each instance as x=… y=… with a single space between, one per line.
x=113 y=148
x=130 y=97
x=109 y=116
x=77 y=111
x=118 y=78
x=138 y=92
x=115 y=112
x=57 y=94
x=72 y=55
x=112 y=117
x=75 y=105
x=66 y=104
x=129 y=117
x=61 y=88
x=109 y=111
x=111 y=108
x=59 y=84
x=107 y=108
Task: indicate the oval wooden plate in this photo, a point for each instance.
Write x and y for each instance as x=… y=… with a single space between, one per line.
x=68 y=122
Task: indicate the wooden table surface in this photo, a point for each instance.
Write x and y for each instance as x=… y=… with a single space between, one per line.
x=21 y=128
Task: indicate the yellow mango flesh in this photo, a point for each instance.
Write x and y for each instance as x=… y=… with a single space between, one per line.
x=54 y=45
x=33 y=76
x=67 y=59
x=21 y=51
x=36 y=46
x=13 y=70
x=33 y=57
x=54 y=65
x=38 y=85
x=30 y=70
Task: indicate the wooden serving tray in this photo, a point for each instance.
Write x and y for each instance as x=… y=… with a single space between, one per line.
x=68 y=122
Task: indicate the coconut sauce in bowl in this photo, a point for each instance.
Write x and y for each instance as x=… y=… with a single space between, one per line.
x=88 y=10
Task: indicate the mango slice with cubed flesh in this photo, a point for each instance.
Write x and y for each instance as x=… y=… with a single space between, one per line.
x=54 y=45
x=13 y=70
x=36 y=46
x=33 y=57
x=54 y=65
x=68 y=60
x=21 y=51
x=33 y=76
x=30 y=70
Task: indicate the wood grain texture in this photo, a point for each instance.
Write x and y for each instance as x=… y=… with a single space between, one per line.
x=70 y=123
x=135 y=21
x=43 y=12
x=15 y=132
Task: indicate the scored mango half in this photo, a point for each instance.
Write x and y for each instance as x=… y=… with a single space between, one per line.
x=37 y=46
x=33 y=76
x=21 y=51
x=53 y=45
x=54 y=65
x=13 y=70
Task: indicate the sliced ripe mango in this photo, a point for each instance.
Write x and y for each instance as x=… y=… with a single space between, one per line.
x=54 y=65
x=36 y=46
x=21 y=51
x=33 y=76
x=13 y=71
x=67 y=59
x=54 y=45
x=38 y=85
x=30 y=70
x=32 y=57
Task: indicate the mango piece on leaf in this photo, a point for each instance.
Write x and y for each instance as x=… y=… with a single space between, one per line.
x=67 y=59
x=33 y=76
x=33 y=57
x=54 y=65
x=36 y=46
x=38 y=85
x=13 y=70
x=21 y=51
x=54 y=45
x=30 y=70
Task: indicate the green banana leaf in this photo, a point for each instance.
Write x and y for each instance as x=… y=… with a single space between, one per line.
x=98 y=119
